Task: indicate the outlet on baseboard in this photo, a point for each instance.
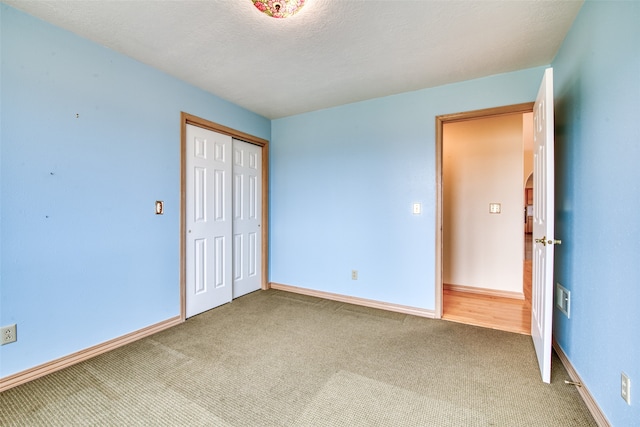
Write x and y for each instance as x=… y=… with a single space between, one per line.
x=354 y=274
x=8 y=334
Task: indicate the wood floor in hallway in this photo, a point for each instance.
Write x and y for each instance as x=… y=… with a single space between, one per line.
x=505 y=314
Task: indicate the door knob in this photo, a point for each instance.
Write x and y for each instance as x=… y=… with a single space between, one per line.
x=546 y=242
x=543 y=240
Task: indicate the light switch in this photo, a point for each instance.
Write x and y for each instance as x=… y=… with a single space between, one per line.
x=159 y=207
x=494 y=208
x=417 y=208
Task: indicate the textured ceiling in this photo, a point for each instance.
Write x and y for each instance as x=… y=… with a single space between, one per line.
x=332 y=52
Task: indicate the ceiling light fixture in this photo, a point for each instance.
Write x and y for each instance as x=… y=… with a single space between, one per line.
x=278 y=8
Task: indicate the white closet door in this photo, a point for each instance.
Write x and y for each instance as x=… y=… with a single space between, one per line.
x=247 y=216
x=209 y=280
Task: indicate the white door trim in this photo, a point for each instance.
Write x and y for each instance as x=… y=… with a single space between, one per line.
x=188 y=119
x=440 y=121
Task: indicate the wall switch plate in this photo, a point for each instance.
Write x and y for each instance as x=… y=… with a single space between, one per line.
x=563 y=300
x=495 y=208
x=354 y=274
x=8 y=334
x=625 y=388
x=417 y=208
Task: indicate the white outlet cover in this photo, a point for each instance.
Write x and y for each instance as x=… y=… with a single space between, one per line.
x=9 y=334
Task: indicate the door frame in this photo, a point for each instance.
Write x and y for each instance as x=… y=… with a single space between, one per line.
x=526 y=107
x=189 y=119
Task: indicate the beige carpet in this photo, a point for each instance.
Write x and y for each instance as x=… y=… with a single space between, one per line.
x=349 y=399
x=279 y=359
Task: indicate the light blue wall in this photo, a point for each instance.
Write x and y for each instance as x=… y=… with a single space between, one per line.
x=343 y=181
x=597 y=90
x=84 y=257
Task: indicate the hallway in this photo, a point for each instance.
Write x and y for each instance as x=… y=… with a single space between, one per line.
x=506 y=314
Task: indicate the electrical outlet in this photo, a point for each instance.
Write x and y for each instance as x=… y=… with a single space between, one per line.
x=625 y=388
x=8 y=334
x=354 y=274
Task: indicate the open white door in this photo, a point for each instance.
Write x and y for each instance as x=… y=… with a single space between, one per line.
x=209 y=281
x=543 y=225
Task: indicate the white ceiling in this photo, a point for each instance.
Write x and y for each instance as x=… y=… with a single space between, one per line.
x=332 y=52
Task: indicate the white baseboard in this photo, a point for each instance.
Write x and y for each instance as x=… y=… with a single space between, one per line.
x=483 y=291
x=355 y=300
x=593 y=407
x=82 y=355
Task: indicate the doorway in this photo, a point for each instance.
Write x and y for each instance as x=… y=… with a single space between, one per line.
x=468 y=295
x=216 y=257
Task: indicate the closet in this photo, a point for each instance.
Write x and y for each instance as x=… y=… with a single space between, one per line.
x=223 y=248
